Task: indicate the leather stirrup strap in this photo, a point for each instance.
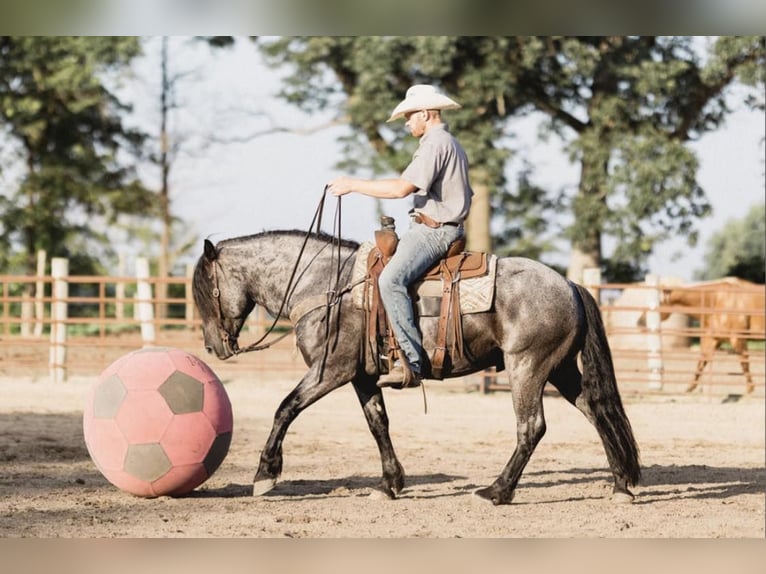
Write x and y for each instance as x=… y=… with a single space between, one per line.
x=375 y=311
x=457 y=323
x=440 y=351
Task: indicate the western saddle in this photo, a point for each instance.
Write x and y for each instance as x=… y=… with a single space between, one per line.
x=456 y=265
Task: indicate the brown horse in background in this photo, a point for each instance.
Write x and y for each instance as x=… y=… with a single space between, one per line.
x=729 y=309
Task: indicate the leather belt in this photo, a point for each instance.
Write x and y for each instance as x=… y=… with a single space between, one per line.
x=429 y=222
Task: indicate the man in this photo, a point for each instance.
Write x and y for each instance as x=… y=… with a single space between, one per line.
x=437 y=177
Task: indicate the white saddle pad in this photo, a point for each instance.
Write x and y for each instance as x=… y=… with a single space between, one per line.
x=476 y=294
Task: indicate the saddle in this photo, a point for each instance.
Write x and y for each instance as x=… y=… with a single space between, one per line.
x=457 y=265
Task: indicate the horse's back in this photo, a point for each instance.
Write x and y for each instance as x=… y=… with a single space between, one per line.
x=521 y=279
x=538 y=302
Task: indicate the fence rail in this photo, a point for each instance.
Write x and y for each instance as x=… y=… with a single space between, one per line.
x=60 y=326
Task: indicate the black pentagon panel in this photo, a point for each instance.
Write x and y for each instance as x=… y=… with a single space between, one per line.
x=184 y=394
x=217 y=452
x=108 y=398
x=146 y=461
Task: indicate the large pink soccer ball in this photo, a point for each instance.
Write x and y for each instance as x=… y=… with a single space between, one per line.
x=158 y=422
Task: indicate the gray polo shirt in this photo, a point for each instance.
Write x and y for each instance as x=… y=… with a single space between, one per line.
x=439 y=169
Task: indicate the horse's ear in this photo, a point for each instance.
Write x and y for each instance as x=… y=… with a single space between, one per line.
x=210 y=251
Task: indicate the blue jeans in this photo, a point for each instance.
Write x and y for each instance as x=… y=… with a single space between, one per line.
x=419 y=248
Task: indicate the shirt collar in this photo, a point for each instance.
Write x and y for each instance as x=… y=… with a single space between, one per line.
x=433 y=129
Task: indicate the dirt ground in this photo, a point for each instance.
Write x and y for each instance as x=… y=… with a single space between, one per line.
x=703 y=465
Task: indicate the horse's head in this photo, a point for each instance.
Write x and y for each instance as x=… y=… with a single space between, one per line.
x=222 y=301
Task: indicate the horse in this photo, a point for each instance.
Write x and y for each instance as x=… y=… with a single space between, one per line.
x=539 y=326
x=731 y=310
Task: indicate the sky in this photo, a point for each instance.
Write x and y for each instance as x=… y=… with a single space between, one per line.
x=275 y=181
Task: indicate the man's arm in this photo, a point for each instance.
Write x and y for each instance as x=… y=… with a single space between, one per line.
x=380 y=188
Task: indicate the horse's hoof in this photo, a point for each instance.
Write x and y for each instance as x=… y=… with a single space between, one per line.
x=491 y=495
x=261 y=487
x=622 y=498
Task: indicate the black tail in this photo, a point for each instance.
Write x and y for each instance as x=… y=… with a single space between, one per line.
x=599 y=387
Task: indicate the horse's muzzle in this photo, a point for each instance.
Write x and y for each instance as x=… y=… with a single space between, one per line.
x=228 y=348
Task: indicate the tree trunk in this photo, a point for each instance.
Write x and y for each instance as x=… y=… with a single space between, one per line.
x=579 y=262
x=164 y=257
x=588 y=208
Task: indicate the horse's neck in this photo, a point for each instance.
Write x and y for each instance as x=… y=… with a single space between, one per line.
x=270 y=263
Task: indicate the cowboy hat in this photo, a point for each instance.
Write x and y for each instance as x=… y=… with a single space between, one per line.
x=422 y=97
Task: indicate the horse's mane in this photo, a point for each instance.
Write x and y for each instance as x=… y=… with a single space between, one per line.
x=202 y=288
x=321 y=236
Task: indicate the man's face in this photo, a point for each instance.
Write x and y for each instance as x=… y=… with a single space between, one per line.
x=416 y=122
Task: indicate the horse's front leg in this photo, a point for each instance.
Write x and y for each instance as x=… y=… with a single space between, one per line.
x=308 y=391
x=371 y=399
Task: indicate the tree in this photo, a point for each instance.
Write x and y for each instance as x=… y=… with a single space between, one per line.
x=623 y=106
x=738 y=249
x=69 y=146
x=170 y=139
x=365 y=77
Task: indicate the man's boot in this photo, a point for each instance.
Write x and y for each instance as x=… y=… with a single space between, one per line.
x=401 y=376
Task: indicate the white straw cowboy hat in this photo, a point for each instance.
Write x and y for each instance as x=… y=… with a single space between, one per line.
x=422 y=97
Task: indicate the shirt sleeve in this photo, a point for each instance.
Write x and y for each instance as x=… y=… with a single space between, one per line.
x=423 y=169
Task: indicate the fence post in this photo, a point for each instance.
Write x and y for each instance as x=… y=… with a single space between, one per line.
x=27 y=312
x=40 y=293
x=144 y=301
x=59 y=313
x=119 y=289
x=654 y=337
x=189 y=312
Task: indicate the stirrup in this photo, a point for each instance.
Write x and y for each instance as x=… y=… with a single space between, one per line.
x=400 y=377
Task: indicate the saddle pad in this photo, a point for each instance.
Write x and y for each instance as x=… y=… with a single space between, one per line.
x=359 y=272
x=476 y=294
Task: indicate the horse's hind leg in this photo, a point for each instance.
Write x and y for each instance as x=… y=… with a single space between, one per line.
x=740 y=347
x=371 y=399
x=527 y=392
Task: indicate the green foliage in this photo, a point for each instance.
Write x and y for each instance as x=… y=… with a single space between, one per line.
x=744 y=56
x=524 y=228
x=69 y=144
x=623 y=106
x=738 y=249
x=365 y=77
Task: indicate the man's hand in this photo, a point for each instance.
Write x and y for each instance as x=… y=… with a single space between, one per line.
x=342 y=185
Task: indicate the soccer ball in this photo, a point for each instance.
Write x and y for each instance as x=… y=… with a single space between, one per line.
x=157 y=422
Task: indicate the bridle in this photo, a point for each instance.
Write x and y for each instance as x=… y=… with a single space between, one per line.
x=230 y=339
x=333 y=293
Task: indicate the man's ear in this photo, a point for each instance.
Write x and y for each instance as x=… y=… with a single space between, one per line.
x=210 y=251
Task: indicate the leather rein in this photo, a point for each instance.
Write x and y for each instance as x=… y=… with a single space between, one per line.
x=332 y=296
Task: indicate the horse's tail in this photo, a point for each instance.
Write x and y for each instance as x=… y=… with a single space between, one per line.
x=599 y=388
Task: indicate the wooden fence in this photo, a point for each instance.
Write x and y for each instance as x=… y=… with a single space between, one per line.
x=61 y=326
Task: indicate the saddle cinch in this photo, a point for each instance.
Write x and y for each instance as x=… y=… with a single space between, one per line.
x=457 y=265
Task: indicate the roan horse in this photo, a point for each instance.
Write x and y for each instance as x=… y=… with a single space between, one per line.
x=540 y=324
x=731 y=310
